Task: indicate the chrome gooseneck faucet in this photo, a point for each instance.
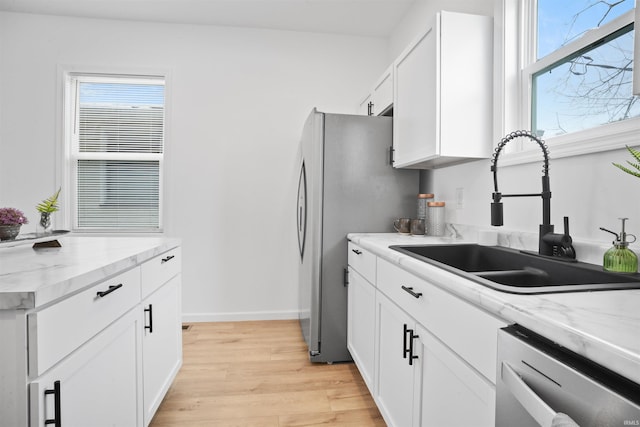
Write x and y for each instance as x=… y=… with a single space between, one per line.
x=549 y=243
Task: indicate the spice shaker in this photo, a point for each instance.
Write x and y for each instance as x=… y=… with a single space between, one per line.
x=435 y=218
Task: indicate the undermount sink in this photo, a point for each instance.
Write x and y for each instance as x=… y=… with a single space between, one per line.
x=510 y=270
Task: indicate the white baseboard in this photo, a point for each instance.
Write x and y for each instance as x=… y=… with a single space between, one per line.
x=235 y=317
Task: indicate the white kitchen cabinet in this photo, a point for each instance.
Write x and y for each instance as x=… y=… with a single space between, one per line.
x=421 y=382
x=451 y=393
x=161 y=344
x=467 y=330
x=162 y=340
x=380 y=99
x=442 y=104
x=76 y=349
x=361 y=311
x=365 y=106
x=95 y=386
x=396 y=364
x=361 y=315
x=434 y=362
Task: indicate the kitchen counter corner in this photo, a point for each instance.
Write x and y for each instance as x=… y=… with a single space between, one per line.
x=30 y=278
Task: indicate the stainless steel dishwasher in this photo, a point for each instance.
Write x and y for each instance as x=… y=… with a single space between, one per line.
x=541 y=383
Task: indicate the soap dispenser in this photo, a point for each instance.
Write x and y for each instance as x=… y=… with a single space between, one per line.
x=620 y=258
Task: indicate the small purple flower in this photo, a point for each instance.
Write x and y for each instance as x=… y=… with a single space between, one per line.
x=12 y=216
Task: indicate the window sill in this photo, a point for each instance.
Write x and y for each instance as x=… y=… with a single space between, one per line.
x=608 y=137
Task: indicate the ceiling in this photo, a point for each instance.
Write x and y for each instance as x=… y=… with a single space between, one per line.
x=376 y=18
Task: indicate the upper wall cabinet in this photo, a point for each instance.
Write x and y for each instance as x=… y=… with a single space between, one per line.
x=442 y=106
x=380 y=99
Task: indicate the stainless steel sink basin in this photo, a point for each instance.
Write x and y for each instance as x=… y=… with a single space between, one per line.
x=510 y=270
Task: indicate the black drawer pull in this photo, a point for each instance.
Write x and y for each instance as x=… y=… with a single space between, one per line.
x=357 y=252
x=108 y=291
x=150 y=311
x=410 y=290
x=56 y=420
x=167 y=259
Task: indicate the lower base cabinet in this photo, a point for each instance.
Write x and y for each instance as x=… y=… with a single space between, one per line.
x=396 y=364
x=360 y=318
x=452 y=393
x=98 y=385
x=423 y=383
x=161 y=344
x=105 y=357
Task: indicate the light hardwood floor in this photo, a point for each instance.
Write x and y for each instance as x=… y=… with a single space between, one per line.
x=245 y=374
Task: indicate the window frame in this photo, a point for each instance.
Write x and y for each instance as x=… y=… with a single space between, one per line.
x=69 y=155
x=515 y=62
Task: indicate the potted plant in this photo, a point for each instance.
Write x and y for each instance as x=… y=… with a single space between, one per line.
x=11 y=219
x=636 y=166
x=46 y=208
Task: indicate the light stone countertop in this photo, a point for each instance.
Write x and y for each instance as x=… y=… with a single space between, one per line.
x=31 y=278
x=603 y=326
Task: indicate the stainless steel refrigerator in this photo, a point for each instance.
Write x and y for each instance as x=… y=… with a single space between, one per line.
x=346 y=184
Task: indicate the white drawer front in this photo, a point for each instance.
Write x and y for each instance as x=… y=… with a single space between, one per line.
x=363 y=261
x=469 y=331
x=56 y=331
x=157 y=271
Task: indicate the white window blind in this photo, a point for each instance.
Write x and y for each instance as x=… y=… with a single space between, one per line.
x=117 y=151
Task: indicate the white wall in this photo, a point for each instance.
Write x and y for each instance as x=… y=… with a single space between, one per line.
x=237 y=102
x=587 y=188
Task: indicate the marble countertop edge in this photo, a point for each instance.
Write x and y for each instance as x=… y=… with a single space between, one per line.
x=33 y=278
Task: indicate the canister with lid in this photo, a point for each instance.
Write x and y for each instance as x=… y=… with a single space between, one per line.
x=423 y=199
x=435 y=219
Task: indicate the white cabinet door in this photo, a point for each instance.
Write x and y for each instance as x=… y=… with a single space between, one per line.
x=415 y=101
x=97 y=385
x=162 y=344
x=443 y=93
x=361 y=329
x=395 y=390
x=382 y=96
x=365 y=106
x=452 y=393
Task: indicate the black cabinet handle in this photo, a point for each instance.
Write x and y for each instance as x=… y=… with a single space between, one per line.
x=167 y=259
x=410 y=290
x=108 y=291
x=56 y=420
x=150 y=325
x=357 y=252
x=405 y=350
x=411 y=338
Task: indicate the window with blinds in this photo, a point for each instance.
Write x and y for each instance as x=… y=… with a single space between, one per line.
x=117 y=152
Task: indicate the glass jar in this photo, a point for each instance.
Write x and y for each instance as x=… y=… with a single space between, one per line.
x=435 y=219
x=423 y=199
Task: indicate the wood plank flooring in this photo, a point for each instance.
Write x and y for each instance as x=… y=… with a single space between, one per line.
x=257 y=374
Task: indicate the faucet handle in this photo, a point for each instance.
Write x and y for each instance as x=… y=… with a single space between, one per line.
x=566 y=227
x=566 y=249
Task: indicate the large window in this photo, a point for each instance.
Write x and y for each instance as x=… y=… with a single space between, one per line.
x=115 y=148
x=564 y=69
x=581 y=74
